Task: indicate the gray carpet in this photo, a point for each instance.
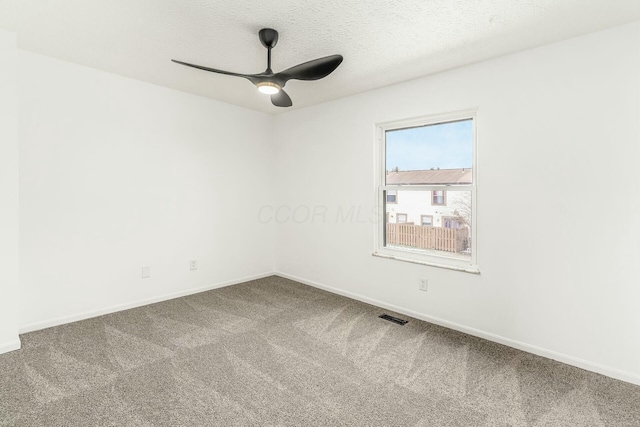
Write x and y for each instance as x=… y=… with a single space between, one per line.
x=273 y=352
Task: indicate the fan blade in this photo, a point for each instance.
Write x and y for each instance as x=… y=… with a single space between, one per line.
x=249 y=77
x=281 y=99
x=312 y=70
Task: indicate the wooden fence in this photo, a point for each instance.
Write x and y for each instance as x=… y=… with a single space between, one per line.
x=424 y=237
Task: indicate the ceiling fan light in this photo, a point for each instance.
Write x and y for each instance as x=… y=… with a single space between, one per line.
x=268 y=88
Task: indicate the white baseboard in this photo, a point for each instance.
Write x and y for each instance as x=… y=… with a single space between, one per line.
x=36 y=326
x=569 y=360
x=10 y=346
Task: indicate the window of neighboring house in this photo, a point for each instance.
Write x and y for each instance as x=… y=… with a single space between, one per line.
x=438 y=197
x=452 y=222
x=392 y=197
x=432 y=161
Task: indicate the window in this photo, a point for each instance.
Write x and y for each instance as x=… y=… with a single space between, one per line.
x=438 y=198
x=432 y=161
x=392 y=197
x=452 y=222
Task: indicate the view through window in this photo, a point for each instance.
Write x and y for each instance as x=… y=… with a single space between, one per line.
x=428 y=190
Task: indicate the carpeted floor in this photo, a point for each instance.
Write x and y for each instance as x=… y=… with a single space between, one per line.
x=273 y=352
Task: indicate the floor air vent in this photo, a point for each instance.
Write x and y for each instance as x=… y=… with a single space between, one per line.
x=393 y=319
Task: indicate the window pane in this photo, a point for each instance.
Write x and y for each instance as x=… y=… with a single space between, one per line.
x=415 y=224
x=438 y=198
x=391 y=196
x=439 y=154
x=427 y=220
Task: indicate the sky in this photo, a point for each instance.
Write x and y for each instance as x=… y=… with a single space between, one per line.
x=444 y=146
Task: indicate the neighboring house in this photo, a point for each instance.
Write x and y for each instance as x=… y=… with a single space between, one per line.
x=447 y=208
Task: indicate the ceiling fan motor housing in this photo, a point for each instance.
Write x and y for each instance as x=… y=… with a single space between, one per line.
x=268 y=37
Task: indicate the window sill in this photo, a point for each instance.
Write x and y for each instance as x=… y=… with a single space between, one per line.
x=471 y=269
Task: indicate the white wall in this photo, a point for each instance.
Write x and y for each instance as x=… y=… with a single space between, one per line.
x=117 y=174
x=558 y=130
x=8 y=193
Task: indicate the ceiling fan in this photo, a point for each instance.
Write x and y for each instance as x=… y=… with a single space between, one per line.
x=272 y=83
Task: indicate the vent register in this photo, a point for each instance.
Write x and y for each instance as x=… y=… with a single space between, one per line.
x=392 y=319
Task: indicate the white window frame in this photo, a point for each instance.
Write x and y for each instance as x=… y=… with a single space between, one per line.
x=417 y=256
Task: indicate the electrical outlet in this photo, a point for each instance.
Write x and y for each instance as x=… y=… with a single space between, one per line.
x=146 y=272
x=193 y=264
x=423 y=284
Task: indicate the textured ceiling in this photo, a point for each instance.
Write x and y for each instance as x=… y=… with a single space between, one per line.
x=383 y=41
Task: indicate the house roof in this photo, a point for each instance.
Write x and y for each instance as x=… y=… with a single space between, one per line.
x=430 y=177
